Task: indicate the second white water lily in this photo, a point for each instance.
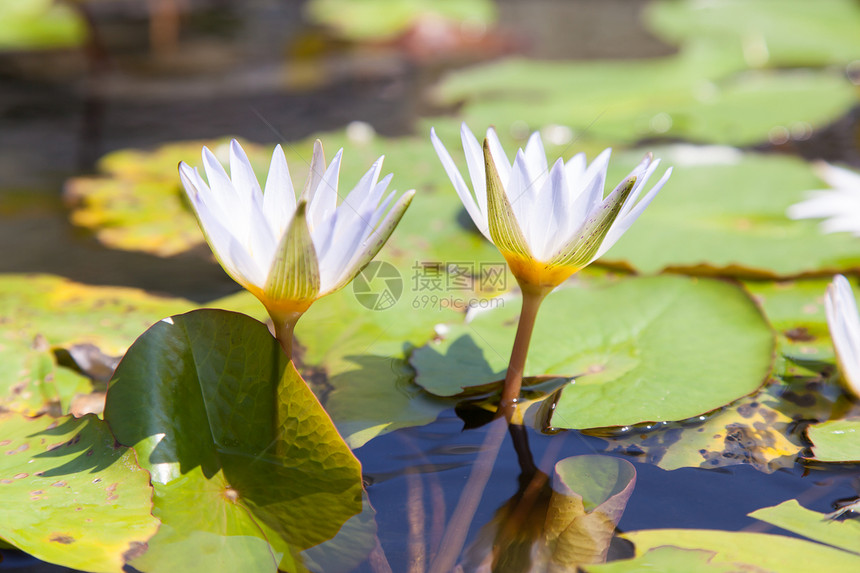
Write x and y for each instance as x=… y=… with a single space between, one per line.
x=839 y=206
x=844 y=324
x=290 y=252
x=547 y=222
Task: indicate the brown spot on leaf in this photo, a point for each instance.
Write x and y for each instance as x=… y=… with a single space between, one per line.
x=799 y=334
x=135 y=550
x=55 y=446
x=111 y=489
x=21 y=475
x=231 y=494
x=59 y=484
x=18 y=450
x=64 y=539
x=5 y=442
x=6 y=481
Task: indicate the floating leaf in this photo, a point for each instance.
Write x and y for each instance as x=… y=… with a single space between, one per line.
x=697 y=95
x=774 y=33
x=792 y=516
x=666 y=559
x=724 y=212
x=42 y=313
x=631 y=345
x=71 y=496
x=385 y=19
x=247 y=468
x=739 y=551
x=835 y=441
x=39 y=24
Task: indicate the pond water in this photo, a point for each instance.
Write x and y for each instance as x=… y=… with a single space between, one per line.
x=260 y=71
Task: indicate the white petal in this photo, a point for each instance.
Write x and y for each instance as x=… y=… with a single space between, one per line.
x=503 y=166
x=552 y=209
x=621 y=224
x=279 y=199
x=475 y=162
x=324 y=198
x=479 y=218
x=522 y=196
x=536 y=161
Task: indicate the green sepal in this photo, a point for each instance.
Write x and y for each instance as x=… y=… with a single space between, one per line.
x=581 y=248
x=295 y=273
x=504 y=229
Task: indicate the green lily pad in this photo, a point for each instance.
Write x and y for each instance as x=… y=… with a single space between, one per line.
x=793 y=517
x=739 y=551
x=247 y=467
x=724 y=213
x=43 y=313
x=630 y=344
x=776 y=33
x=698 y=95
x=71 y=496
x=835 y=440
x=379 y=20
x=39 y=24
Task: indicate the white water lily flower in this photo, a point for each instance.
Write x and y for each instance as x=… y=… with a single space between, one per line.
x=289 y=253
x=548 y=223
x=839 y=206
x=844 y=324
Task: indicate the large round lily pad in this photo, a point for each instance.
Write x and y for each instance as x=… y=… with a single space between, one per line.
x=71 y=496
x=247 y=467
x=639 y=349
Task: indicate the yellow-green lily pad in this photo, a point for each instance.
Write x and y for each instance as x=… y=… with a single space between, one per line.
x=71 y=495
x=42 y=313
x=732 y=551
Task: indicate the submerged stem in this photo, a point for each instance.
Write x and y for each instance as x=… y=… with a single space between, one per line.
x=517 y=364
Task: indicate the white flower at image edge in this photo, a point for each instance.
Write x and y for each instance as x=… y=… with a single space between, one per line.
x=844 y=324
x=286 y=252
x=547 y=222
x=839 y=206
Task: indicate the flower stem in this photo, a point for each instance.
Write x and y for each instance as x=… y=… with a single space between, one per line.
x=285 y=324
x=517 y=364
x=458 y=528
